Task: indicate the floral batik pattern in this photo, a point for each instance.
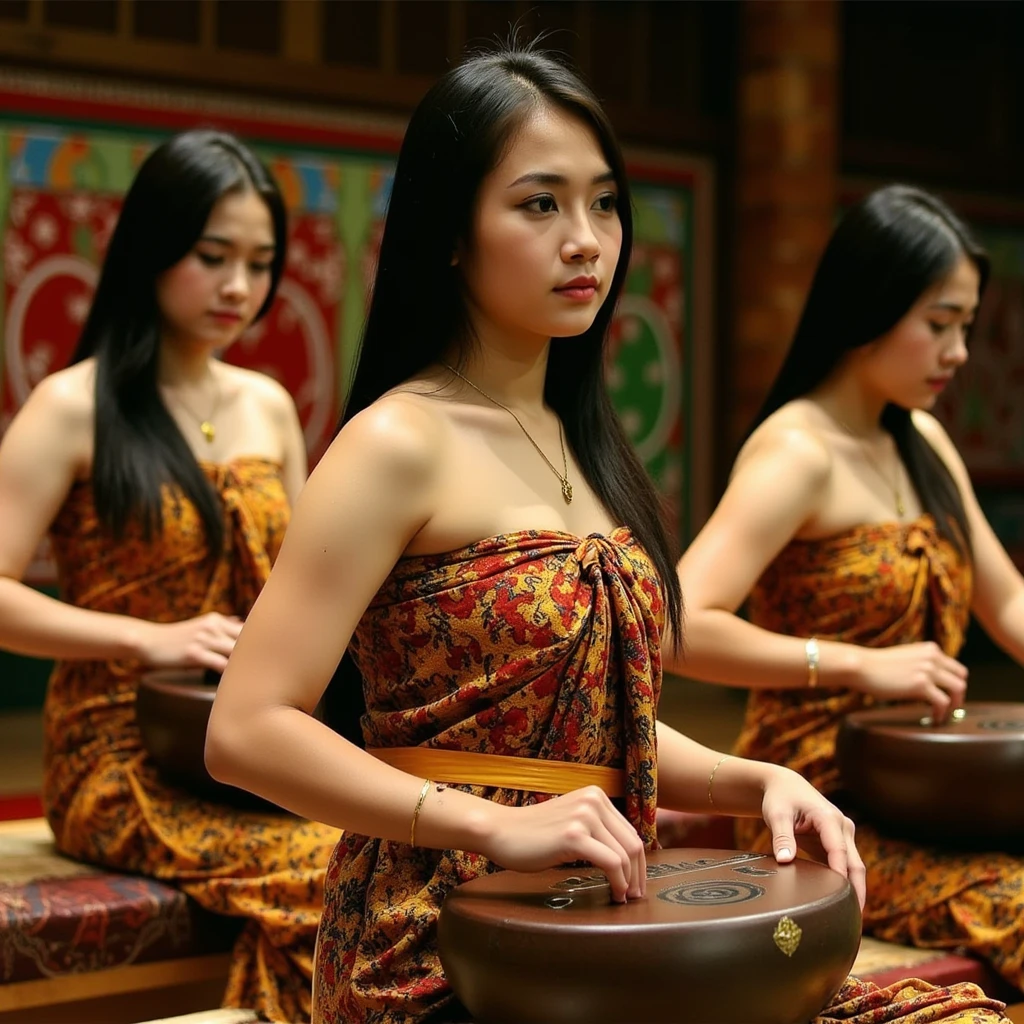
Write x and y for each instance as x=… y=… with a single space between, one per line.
x=877 y=586
x=103 y=797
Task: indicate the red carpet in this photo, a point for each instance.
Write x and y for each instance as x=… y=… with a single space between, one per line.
x=26 y=805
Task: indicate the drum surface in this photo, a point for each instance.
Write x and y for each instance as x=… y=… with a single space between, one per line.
x=173 y=709
x=721 y=938
x=958 y=784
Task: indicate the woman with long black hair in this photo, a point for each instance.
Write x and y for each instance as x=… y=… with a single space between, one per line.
x=851 y=529
x=484 y=543
x=164 y=478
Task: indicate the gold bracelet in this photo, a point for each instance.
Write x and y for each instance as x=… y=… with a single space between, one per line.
x=812 y=651
x=711 y=778
x=416 y=813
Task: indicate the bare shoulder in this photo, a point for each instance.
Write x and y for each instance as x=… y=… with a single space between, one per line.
x=932 y=430
x=399 y=438
x=67 y=397
x=790 y=442
x=935 y=434
x=269 y=392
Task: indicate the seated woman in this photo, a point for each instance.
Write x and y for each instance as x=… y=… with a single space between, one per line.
x=499 y=574
x=851 y=525
x=164 y=478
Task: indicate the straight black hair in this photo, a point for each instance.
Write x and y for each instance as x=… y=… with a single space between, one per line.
x=456 y=136
x=138 y=446
x=887 y=250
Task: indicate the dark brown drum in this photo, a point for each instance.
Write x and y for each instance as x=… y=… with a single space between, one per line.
x=173 y=709
x=721 y=938
x=959 y=783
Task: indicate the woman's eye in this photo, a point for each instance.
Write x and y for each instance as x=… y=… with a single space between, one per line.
x=938 y=328
x=259 y=268
x=541 y=204
x=209 y=260
x=607 y=203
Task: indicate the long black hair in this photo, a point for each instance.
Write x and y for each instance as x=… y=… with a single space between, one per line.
x=138 y=446
x=456 y=136
x=885 y=253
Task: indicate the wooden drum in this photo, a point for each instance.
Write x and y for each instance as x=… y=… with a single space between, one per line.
x=173 y=709
x=959 y=784
x=721 y=938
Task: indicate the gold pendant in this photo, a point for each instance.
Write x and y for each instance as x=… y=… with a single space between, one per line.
x=208 y=430
x=900 y=507
x=567 y=491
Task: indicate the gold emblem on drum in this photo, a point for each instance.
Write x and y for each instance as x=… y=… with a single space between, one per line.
x=788 y=935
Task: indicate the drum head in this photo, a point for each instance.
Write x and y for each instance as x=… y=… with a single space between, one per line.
x=720 y=937
x=956 y=784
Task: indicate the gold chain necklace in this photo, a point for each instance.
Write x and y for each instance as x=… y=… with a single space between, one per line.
x=894 y=483
x=564 y=475
x=206 y=426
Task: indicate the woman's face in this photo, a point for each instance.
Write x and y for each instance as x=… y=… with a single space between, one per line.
x=912 y=364
x=546 y=234
x=213 y=293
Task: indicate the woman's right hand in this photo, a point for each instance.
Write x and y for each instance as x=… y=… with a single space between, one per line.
x=918 y=671
x=582 y=825
x=204 y=642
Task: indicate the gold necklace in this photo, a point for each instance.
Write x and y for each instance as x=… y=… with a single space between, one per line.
x=206 y=427
x=894 y=483
x=564 y=475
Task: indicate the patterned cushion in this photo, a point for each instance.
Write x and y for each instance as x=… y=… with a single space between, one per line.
x=60 y=917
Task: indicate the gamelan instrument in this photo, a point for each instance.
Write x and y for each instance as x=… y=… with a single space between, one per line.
x=720 y=938
x=173 y=709
x=959 y=783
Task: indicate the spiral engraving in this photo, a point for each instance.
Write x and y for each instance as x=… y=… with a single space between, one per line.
x=712 y=892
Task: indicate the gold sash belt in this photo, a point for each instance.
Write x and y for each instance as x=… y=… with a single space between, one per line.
x=532 y=774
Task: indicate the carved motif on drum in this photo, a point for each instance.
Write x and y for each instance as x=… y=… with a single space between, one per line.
x=712 y=892
x=1002 y=724
x=787 y=935
x=579 y=883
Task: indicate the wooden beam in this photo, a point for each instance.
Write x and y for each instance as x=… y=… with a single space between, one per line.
x=24 y=995
x=303 y=30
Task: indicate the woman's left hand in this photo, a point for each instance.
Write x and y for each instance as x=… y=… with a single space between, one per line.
x=793 y=808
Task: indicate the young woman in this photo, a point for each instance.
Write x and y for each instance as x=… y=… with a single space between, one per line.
x=164 y=479
x=851 y=526
x=484 y=543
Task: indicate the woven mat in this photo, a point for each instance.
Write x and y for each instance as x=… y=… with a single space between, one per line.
x=876 y=956
x=210 y=1017
x=27 y=854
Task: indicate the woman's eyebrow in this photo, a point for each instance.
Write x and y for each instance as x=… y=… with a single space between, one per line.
x=219 y=240
x=549 y=178
x=952 y=307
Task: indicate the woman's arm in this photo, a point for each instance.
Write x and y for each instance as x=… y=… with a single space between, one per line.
x=998 y=599
x=776 y=488
x=366 y=499
x=692 y=777
x=295 y=461
x=46 y=446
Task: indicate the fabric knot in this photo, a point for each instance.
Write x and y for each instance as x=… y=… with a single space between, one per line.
x=921 y=538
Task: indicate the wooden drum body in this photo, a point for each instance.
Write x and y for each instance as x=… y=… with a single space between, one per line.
x=959 y=784
x=721 y=938
x=173 y=709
